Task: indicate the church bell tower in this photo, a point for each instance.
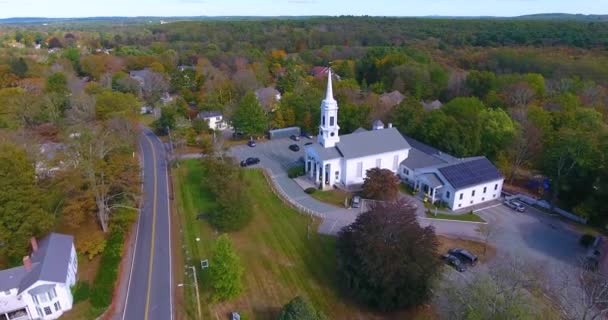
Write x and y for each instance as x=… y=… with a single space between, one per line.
x=328 y=130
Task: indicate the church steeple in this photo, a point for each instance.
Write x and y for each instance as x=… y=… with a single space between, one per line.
x=328 y=130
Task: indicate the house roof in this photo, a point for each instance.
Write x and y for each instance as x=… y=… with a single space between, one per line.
x=325 y=153
x=361 y=144
x=417 y=159
x=391 y=98
x=49 y=263
x=470 y=172
x=433 y=105
x=433 y=180
x=139 y=73
x=359 y=130
x=210 y=114
x=425 y=148
x=42 y=288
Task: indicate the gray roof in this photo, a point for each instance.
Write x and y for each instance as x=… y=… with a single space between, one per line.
x=10 y=278
x=325 y=153
x=378 y=123
x=210 y=114
x=417 y=159
x=361 y=144
x=49 y=263
x=425 y=148
x=42 y=288
x=471 y=172
x=433 y=180
x=139 y=73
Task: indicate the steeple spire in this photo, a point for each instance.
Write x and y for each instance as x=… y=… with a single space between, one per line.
x=329 y=96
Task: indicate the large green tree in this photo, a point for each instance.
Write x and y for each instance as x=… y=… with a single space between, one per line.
x=22 y=214
x=249 y=116
x=385 y=259
x=225 y=270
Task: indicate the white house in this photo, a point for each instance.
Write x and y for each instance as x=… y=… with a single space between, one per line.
x=344 y=160
x=214 y=119
x=40 y=288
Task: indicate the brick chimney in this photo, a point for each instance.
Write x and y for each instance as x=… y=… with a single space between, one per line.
x=27 y=263
x=34 y=243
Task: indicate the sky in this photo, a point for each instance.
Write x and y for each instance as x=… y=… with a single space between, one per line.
x=96 y=8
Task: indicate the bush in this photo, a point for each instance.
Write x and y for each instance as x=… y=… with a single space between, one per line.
x=587 y=240
x=295 y=172
x=81 y=291
x=103 y=285
x=310 y=190
x=94 y=245
x=299 y=309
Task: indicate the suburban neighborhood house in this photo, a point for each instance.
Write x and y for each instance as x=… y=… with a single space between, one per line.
x=40 y=288
x=343 y=161
x=214 y=119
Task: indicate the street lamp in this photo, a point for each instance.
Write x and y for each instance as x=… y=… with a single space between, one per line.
x=198 y=299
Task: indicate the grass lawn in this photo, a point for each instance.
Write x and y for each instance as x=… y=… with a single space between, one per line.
x=460 y=217
x=334 y=197
x=281 y=260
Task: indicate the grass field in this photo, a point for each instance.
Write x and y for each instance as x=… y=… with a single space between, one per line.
x=459 y=217
x=281 y=259
x=334 y=197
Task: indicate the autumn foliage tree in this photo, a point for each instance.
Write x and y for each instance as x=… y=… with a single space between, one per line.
x=385 y=259
x=381 y=184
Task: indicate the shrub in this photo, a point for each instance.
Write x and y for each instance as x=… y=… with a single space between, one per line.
x=310 y=190
x=93 y=245
x=299 y=309
x=103 y=285
x=295 y=172
x=81 y=291
x=586 y=240
x=225 y=271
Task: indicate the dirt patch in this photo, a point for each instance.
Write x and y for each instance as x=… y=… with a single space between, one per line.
x=478 y=248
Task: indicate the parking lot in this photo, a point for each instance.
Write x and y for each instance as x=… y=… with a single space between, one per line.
x=274 y=154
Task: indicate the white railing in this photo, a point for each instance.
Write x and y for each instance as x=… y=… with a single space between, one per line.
x=286 y=199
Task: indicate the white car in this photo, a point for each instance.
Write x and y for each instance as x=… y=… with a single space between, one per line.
x=515 y=205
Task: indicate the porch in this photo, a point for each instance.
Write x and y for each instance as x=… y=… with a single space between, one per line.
x=19 y=314
x=430 y=187
x=324 y=175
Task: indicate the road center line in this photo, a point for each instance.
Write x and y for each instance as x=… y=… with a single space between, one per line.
x=150 y=266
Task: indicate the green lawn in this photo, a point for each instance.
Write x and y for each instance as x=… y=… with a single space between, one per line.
x=281 y=261
x=460 y=217
x=334 y=197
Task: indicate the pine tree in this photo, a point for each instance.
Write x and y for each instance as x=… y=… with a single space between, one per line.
x=225 y=270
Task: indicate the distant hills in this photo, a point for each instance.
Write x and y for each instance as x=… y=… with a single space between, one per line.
x=139 y=20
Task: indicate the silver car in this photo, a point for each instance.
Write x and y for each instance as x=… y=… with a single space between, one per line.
x=356 y=202
x=515 y=205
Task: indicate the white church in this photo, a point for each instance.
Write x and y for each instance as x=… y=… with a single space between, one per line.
x=342 y=161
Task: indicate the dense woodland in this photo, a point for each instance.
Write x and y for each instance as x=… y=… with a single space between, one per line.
x=530 y=95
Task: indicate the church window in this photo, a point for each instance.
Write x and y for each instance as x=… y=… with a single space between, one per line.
x=323 y=120
x=406 y=171
x=473 y=193
x=396 y=162
x=496 y=186
x=378 y=163
x=359 y=169
x=484 y=189
x=332 y=134
x=331 y=121
x=57 y=306
x=460 y=196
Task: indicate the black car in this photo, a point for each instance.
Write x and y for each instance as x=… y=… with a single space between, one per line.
x=464 y=255
x=294 y=137
x=249 y=162
x=453 y=261
x=237 y=135
x=251 y=143
x=294 y=147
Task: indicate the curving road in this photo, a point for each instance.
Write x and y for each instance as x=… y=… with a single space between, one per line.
x=149 y=289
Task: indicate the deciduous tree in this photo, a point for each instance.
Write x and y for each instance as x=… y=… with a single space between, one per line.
x=249 y=117
x=385 y=259
x=381 y=184
x=299 y=309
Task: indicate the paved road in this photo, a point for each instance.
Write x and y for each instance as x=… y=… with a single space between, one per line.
x=149 y=294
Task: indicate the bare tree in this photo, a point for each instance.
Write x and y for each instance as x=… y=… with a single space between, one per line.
x=154 y=85
x=486 y=231
x=526 y=143
x=580 y=294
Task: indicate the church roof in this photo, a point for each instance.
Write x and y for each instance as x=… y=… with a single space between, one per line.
x=361 y=144
x=433 y=180
x=417 y=159
x=325 y=153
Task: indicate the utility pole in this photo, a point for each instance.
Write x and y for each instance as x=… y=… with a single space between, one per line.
x=198 y=298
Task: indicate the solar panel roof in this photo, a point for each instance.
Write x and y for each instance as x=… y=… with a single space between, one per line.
x=470 y=173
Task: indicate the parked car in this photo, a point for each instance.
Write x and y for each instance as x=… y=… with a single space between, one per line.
x=294 y=147
x=294 y=137
x=454 y=262
x=251 y=143
x=356 y=202
x=249 y=162
x=307 y=135
x=464 y=255
x=308 y=143
x=515 y=205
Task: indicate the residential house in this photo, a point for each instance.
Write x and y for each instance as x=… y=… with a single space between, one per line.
x=41 y=287
x=214 y=119
x=268 y=97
